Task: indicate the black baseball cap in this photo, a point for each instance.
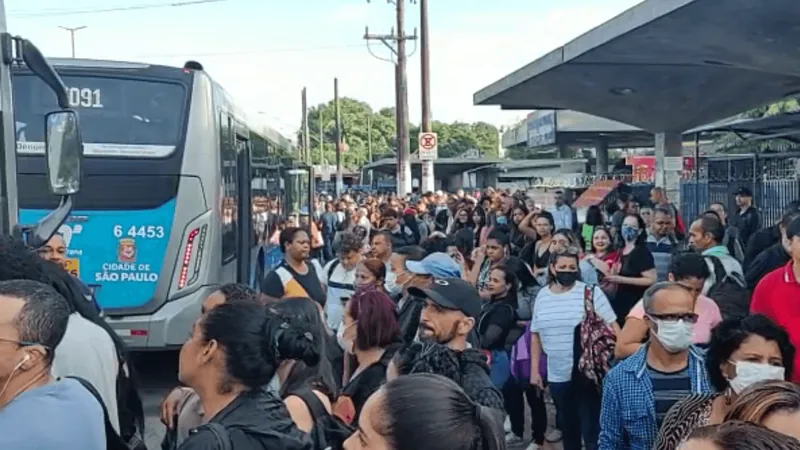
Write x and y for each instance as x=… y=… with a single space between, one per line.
x=452 y=293
x=744 y=192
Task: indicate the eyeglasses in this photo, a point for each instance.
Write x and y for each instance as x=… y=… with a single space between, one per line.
x=19 y=343
x=686 y=317
x=567 y=251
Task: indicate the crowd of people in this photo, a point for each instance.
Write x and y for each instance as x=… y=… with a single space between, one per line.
x=433 y=322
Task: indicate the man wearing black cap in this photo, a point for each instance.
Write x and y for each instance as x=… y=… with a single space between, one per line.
x=452 y=308
x=747 y=218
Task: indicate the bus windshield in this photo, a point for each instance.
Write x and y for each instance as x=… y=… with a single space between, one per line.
x=118 y=116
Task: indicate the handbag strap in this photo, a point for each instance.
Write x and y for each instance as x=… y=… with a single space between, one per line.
x=588 y=298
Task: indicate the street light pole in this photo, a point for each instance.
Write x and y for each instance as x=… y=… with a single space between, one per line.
x=72 y=32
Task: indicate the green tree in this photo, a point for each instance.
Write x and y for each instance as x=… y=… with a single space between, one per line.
x=732 y=143
x=357 y=119
x=355 y=116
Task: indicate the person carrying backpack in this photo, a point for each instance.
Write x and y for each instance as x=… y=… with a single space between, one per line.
x=328 y=431
x=90 y=349
x=239 y=412
x=339 y=277
x=726 y=285
x=36 y=410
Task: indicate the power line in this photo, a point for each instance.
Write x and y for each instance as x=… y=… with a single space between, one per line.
x=95 y=10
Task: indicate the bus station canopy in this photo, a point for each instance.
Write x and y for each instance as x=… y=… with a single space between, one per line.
x=784 y=126
x=666 y=66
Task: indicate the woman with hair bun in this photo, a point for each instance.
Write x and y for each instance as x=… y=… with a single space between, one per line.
x=425 y=412
x=232 y=351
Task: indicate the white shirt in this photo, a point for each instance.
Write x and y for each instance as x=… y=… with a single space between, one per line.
x=555 y=317
x=334 y=308
x=87 y=352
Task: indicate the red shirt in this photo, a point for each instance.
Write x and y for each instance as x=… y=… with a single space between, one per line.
x=777 y=296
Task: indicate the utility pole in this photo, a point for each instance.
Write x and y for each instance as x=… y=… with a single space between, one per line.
x=369 y=146
x=396 y=42
x=338 y=138
x=427 y=183
x=321 y=137
x=306 y=138
x=369 y=139
x=72 y=32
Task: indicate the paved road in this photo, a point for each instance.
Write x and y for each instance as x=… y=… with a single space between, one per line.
x=159 y=372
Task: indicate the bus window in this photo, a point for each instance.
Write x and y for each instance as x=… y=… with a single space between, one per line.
x=230 y=191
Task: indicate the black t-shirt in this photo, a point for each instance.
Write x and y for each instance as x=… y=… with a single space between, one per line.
x=301 y=285
x=748 y=222
x=501 y=315
x=633 y=264
x=366 y=382
x=767 y=261
x=759 y=242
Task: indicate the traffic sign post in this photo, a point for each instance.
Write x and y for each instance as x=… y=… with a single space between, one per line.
x=428 y=146
x=428 y=151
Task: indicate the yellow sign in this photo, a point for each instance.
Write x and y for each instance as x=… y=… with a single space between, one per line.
x=73 y=266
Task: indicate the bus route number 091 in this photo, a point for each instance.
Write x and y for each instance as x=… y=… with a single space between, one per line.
x=149 y=232
x=84 y=98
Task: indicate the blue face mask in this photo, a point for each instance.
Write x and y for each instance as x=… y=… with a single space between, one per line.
x=629 y=233
x=502 y=220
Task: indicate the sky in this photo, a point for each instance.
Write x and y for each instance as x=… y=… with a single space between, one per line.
x=265 y=51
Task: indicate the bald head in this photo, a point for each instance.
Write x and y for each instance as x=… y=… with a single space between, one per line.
x=667 y=298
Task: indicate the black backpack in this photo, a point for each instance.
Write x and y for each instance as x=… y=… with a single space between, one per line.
x=128 y=403
x=113 y=440
x=729 y=291
x=329 y=433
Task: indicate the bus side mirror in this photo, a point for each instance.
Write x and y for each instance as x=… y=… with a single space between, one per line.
x=64 y=150
x=38 y=64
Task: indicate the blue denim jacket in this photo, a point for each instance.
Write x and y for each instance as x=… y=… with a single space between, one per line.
x=629 y=406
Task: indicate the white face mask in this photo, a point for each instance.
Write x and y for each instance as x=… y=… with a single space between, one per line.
x=391 y=285
x=674 y=336
x=344 y=343
x=750 y=373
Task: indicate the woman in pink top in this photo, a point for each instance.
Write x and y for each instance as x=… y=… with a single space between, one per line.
x=690 y=271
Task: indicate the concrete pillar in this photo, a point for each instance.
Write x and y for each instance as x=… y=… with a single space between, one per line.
x=428 y=181
x=669 y=164
x=601 y=156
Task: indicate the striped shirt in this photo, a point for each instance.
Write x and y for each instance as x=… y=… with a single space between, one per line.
x=662 y=255
x=668 y=388
x=555 y=316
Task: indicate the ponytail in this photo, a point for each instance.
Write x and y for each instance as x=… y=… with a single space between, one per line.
x=489 y=426
x=428 y=412
x=283 y=341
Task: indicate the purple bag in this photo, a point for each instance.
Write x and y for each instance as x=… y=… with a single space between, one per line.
x=521 y=359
